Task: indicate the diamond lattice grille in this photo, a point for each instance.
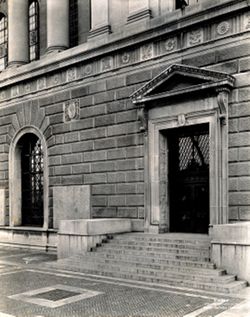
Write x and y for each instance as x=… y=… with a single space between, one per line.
x=193 y=151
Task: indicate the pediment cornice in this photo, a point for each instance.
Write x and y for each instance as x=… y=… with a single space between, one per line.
x=193 y=79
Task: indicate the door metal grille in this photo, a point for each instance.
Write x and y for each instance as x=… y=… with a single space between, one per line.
x=32 y=182
x=189 y=179
x=193 y=152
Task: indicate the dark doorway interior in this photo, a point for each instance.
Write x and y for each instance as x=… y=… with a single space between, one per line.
x=32 y=180
x=189 y=178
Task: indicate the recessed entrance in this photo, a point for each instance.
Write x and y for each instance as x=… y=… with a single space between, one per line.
x=31 y=180
x=189 y=178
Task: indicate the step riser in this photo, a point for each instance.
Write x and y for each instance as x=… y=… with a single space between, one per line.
x=159 y=239
x=171 y=244
x=157 y=250
x=155 y=254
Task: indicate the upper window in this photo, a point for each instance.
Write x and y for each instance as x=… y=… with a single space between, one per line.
x=73 y=23
x=181 y=4
x=34 y=30
x=3 y=41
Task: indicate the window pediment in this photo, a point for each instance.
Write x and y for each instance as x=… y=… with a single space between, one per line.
x=181 y=79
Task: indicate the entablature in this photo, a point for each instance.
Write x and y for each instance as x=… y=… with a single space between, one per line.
x=161 y=37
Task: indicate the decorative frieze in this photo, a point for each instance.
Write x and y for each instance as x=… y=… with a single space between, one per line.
x=128 y=57
x=71 y=110
x=56 y=79
x=125 y=58
x=170 y=44
x=195 y=37
x=135 y=54
x=223 y=28
x=71 y=74
x=41 y=83
x=107 y=63
x=14 y=91
x=87 y=70
x=247 y=21
x=2 y=95
x=147 y=52
x=27 y=87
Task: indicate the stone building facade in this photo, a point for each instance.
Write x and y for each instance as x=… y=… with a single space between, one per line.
x=126 y=116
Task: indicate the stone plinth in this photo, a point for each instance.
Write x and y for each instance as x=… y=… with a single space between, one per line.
x=29 y=237
x=71 y=202
x=80 y=235
x=230 y=248
x=99 y=18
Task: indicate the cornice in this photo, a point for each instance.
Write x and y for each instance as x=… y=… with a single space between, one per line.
x=213 y=79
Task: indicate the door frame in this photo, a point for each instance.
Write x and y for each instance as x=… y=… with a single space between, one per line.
x=15 y=184
x=161 y=119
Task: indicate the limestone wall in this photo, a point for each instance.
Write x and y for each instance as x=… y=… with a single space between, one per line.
x=80 y=101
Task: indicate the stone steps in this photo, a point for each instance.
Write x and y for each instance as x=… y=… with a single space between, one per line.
x=215 y=286
x=149 y=263
x=179 y=260
x=133 y=269
x=161 y=255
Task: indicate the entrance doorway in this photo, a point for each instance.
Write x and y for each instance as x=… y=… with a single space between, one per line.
x=32 y=166
x=189 y=178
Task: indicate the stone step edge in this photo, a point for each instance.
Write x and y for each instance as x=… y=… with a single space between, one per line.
x=158 y=237
x=152 y=254
x=152 y=244
x=156 y=249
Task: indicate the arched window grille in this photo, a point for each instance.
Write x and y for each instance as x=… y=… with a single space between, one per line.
x=34 y=30
x=73 y=23
x=3 y=42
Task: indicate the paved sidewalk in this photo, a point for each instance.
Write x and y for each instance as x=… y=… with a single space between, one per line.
x=31 y=288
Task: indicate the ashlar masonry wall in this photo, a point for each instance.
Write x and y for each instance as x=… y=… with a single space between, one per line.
x=91 y=127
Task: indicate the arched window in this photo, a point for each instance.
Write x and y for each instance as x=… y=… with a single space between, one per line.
x=34 y=30
x=3 y=41
x=73 y=23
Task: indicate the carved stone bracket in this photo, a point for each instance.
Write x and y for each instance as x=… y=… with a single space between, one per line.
x=142 y=116
x=222 y=99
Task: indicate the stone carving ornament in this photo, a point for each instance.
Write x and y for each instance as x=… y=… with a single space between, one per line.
x=125 y=58
x=147 y=51
x=72 y=110
x=195 y=37
x=170 y=44
x=223 y=28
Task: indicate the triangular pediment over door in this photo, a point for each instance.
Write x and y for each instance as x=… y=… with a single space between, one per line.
x=178 y=80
